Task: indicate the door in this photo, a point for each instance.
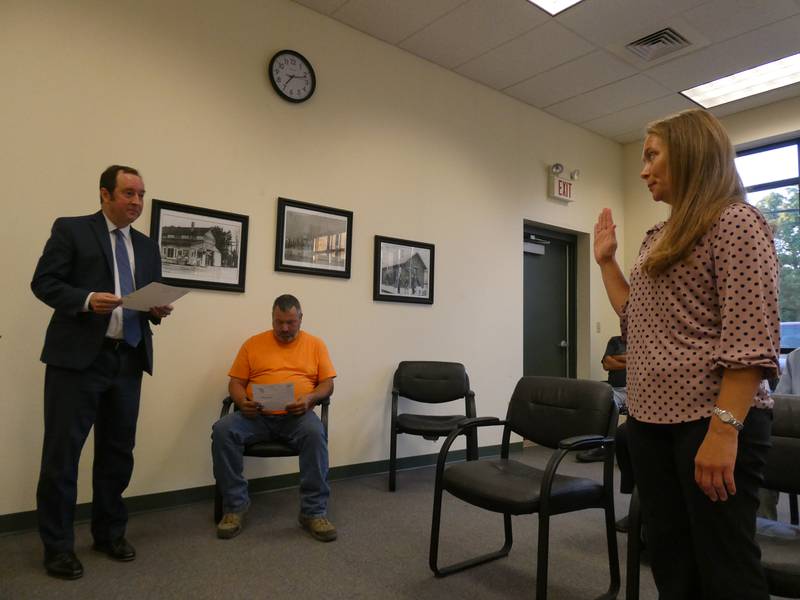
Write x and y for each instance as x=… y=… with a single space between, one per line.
x=548 y=303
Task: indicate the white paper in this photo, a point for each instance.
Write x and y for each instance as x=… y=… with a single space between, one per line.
x=153 y=294
x=273 y=396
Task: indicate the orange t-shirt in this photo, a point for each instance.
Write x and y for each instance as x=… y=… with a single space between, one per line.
x=304 y=362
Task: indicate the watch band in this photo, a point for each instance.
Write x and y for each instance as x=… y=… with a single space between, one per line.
x=727 y=417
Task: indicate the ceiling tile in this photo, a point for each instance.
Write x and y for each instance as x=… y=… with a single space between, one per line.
x=633 y=135
x=393 y=20
x=531 y=53
x=326 y=7
x=472 y=29
x=609 y=99
x=723 y=19
x=725 y=58
x=626 y=121
x=575 y=77
x=612 y=22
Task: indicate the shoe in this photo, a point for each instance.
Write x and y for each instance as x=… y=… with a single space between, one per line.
x=622 y=525
x=319 y=527
x=593 y=455
x=64 y=565
x=118 y=549
x=231 y=525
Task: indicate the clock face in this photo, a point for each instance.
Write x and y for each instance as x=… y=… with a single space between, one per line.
x=292 y=76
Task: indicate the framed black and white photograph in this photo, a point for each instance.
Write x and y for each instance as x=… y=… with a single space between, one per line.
x=200 y=247
x=313 y=239
x=403 y=271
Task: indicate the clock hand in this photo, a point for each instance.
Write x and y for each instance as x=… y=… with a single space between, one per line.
x=288 y=81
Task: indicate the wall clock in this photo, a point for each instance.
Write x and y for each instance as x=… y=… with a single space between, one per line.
x=292 y=76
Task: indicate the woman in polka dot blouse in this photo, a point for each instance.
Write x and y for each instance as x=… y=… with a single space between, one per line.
x=700 y=318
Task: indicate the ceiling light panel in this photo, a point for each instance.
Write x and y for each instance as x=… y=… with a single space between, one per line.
x=554 y=6
x=757 y=80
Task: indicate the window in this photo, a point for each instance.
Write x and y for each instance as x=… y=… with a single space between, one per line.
x=771 y=175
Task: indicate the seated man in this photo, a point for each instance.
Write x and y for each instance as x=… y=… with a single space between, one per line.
x=613 y=362
x=789 y=383
x=282 y=355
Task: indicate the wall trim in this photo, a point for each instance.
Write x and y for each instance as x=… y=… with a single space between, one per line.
x=26 y=521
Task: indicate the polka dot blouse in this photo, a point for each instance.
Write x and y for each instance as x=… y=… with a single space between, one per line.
x=716 y=310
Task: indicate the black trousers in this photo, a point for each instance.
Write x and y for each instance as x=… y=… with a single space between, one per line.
x=623 y=452
x=700 y=549
x=106 y=396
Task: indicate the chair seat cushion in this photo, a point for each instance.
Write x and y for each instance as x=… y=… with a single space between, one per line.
x=780 y=556
x=508 y=486
x=269 y=449
x=438 y=425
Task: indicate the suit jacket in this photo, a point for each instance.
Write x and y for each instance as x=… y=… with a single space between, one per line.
x=77 y=260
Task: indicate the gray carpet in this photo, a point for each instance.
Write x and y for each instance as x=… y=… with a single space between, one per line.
x=382 y=551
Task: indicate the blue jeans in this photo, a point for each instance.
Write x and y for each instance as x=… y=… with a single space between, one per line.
x=305 y=434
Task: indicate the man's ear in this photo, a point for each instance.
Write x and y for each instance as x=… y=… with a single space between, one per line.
x=104 y=195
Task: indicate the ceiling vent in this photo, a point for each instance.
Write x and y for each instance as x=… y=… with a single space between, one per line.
x=658 y=44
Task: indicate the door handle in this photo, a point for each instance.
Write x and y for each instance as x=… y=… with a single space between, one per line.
x=563 y=344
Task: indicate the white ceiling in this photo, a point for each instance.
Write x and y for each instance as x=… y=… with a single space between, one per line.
x=575 y=66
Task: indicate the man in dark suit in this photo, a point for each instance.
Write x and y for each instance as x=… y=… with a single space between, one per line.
x=95 y=353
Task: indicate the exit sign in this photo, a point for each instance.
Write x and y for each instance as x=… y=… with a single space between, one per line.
x=562 y=189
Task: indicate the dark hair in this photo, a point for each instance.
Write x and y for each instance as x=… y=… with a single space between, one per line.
x=108 y=178
x=286 y=302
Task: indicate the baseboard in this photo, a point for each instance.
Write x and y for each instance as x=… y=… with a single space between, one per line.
x=26 y=521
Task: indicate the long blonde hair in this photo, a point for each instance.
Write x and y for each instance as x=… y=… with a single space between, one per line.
x=703 y=180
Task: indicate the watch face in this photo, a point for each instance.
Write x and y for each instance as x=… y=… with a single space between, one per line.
x=292 y=76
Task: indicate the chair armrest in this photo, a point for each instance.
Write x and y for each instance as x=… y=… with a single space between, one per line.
x=585 y=442
x=476 y=421
x=463 y=425
x=226 y=406
x=565 y=446
x=324 y=403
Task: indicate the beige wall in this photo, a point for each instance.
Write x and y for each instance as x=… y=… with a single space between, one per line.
x=750 y=128
x=178 y=90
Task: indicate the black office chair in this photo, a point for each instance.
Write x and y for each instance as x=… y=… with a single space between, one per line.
x=433 y=383
x=263 y=449
x=779 y=542
x=567 y=415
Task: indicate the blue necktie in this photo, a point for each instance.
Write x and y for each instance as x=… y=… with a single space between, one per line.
x=131 y=330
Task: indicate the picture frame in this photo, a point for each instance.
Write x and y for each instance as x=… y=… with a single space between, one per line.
x=200 y=247
x=313 y=239
x=403 y=271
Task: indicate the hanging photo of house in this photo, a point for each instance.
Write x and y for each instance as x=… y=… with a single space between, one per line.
x=403 y=271
x=200 y=247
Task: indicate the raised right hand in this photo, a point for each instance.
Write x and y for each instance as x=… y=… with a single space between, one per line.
x=605 y=237
x=103 y=303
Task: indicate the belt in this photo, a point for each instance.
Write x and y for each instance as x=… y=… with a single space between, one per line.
x=115 y=344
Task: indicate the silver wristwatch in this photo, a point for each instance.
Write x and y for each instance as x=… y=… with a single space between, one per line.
x=728 y=418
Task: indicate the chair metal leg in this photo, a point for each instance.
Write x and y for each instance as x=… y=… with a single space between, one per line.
x=217 y=504
x=634 y=548
x=433 y=560
x=392 y=460
x=472 y=445
x=613 y=555
x=542 y=557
